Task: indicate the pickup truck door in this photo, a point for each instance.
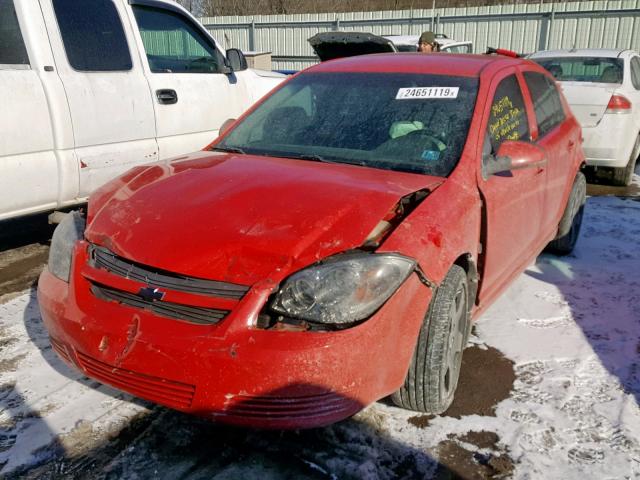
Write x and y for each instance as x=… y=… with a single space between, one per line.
x=513 y=200
x=29 y=168
x=185 y=68
x=107 y=92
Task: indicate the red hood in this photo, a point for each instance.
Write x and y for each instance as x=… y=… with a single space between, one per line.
x=242 y=218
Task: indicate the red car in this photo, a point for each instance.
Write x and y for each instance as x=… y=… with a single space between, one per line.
x=329 y=249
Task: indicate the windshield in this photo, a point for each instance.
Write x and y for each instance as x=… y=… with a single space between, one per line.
x=584 y=69
x=406 y=122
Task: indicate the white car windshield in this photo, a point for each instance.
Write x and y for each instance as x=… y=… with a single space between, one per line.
x=584 y=69
x=406 y=122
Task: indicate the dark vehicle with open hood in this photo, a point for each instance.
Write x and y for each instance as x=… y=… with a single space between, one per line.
x=330 y=248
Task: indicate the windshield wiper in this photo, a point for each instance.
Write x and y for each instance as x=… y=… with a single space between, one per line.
x=304 y=156
x=228 y=149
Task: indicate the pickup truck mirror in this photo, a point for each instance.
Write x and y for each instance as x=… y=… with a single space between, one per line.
x=515 y=155
x=237 y=60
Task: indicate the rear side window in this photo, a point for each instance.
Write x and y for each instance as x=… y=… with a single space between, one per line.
x=508 y=116
x=457 y=49
x=546 y=101
x=584 y=69
x=635 y=72
x=93 y=36
x=12 y=50
x=173 y=44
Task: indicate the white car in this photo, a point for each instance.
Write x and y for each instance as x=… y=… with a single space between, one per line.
x=602 y=87
x=330 y=45
x=409 y=43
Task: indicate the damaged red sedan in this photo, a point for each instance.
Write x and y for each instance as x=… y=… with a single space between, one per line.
x=331 y=248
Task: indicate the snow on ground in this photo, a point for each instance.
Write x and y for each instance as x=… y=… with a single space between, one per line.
x=570 y=325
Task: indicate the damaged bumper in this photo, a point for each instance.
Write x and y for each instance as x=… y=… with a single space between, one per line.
x=232 y=371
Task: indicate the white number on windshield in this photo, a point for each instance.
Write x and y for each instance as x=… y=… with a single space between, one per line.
x=427 y=93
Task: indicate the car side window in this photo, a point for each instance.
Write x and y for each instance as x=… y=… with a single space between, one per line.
x=93 y=35
x=173 y=44
x=12 y=49
x=546 y=102
x=508 y=116
x=635 y=72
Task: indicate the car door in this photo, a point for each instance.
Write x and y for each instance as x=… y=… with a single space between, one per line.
x=559 y=139
x=29 y=176
x=193 y=96
x=107 y=92
x=513 y=200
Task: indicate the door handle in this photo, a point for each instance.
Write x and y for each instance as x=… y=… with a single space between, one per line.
x=571 y=144
x=167 y=96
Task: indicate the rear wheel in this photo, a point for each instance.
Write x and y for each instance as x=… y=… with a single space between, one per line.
x=571 y=221
x=622 y=176
x=435 y=367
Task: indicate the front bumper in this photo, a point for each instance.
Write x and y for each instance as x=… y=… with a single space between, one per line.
x=233 y=371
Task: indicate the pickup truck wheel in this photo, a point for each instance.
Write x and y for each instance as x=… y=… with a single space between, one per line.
x=571 y=221
x=622 y=176
x=435 y=367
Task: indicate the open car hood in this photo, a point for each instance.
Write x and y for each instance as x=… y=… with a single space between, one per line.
x=330 y=45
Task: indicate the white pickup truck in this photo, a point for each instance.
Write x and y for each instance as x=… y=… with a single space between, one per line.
x=93 y=87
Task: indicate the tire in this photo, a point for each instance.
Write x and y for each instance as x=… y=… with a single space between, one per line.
x=622 y=176
x=571 y=221
x=435 y=367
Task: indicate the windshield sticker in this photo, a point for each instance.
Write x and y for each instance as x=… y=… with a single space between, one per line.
x=430 y=155
x=427 y=93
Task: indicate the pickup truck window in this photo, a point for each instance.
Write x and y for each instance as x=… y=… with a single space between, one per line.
x=93 y=36
x=12 y=50
x=508 y=116
x=173 y=44
x=546 y=102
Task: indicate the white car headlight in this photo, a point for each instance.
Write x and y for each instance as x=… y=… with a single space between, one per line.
x=65 y=236
x=344 y=289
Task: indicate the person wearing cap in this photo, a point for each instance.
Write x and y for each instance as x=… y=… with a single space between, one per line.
x=427 y=43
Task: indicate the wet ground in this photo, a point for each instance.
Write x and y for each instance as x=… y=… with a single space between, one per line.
x=144 y=445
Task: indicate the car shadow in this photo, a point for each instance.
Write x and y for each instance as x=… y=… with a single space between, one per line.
x=168 y=444
x=599 y=283
x=19 y=232
x=15 y=416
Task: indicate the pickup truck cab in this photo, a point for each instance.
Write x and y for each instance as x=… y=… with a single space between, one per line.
x=97 y=87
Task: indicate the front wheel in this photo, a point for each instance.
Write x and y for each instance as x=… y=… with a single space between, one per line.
x=435 y=367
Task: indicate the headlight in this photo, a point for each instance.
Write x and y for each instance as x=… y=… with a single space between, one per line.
x=344 y=289
x=65 y=236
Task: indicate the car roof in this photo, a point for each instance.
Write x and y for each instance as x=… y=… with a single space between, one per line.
x=580 y=52
x=454 y=64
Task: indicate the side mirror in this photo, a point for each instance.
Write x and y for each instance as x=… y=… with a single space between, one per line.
x=237 y=60
x=515 y=155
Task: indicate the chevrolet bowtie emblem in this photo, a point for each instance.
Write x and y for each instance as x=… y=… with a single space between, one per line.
x=150 y=294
